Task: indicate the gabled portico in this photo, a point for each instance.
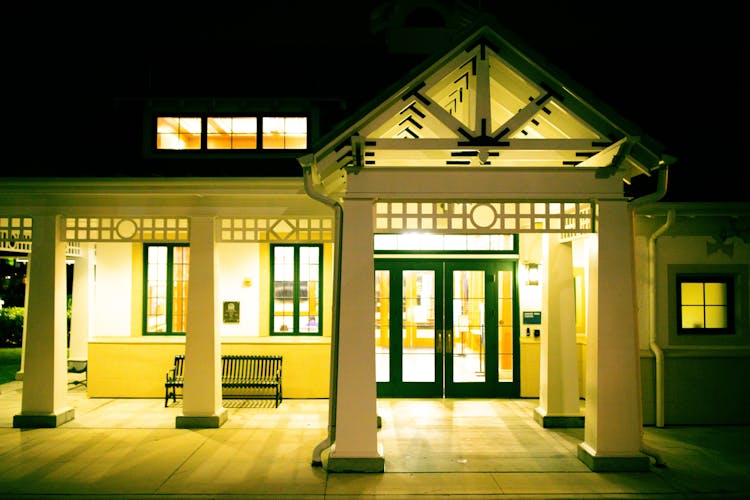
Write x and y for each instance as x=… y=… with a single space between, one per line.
x=489 y=134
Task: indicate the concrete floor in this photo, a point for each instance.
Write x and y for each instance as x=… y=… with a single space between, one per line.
x=434 y=448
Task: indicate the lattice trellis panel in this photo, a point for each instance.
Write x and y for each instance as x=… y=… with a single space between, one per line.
x=307 y=229
x=127 y=229
x=15 y=234
x=571 y=235
x=485 y=217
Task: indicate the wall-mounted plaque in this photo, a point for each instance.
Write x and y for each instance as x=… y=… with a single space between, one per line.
x=231 y=312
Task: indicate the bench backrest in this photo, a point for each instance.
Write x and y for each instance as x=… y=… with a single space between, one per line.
x=179 y=363
x=254 y=367
x=240 y=366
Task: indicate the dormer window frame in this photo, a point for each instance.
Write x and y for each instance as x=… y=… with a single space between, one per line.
x=282 y=147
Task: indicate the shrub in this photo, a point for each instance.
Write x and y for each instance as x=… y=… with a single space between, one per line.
x=11 y=326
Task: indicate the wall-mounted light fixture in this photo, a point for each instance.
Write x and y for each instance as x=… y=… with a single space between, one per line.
x=532 y=274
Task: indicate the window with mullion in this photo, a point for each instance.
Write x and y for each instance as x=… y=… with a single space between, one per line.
x=295 y=289
x=166 y=269
x=240 y=133
x=705 y=304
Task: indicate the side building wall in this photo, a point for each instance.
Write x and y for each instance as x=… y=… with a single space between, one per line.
x=704 y=376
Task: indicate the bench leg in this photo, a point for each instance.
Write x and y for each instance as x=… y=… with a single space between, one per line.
x=170 y=392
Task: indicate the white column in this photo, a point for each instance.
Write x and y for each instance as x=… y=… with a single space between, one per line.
x=19 y=373
x=558 y=358
x=201 y=401
x=613 y=429
x=82 y=306
x=45 y=380
x=355 y=447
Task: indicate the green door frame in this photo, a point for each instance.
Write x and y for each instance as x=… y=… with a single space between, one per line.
x=442 y=386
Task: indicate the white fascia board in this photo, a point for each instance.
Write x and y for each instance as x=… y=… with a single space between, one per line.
x=483 y=184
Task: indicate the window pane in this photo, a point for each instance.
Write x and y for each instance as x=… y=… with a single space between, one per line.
x=382 y=326
x=296 y=133
x=450 y=242
x=245 y=125
x=716 y=293
x=273 y=130
x=418 y=322
x=156 y=290
x=468 y=326
x=219 y=133
x=716 y=317
x=218 y=125
x=505 y=325
x=283 y=259
x=167 y=270
x=231 y=133
x=284 y=132
x=309 y=289
x=296 y=289
x=706 y=304
x=692 y=317
x=180 y=275
x=244 y=141
x=178 y=133
x=692 y=293
x=283 y=289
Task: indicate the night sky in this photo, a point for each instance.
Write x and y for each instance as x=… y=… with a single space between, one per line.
x=677 y=73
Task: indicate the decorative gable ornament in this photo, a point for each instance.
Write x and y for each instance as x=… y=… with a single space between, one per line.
x=487 y=104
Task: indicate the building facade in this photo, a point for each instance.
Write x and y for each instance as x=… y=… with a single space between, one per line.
x=466 y=234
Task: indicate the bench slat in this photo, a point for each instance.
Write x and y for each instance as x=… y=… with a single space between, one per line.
x=237 y=372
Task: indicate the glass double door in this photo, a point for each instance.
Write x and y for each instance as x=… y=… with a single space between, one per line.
x=446 y=328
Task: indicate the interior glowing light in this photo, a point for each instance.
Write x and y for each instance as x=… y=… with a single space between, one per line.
x=410 y=241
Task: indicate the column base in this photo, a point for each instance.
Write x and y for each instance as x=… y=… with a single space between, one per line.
x=620 y=463
x=19 y=375
x=25 y=421
x=549 y=421
x=201 y=421
x=352 y=464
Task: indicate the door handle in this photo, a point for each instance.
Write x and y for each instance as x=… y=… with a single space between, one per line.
x=448 y=341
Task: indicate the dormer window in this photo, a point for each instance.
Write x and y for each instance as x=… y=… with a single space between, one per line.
x=178 y=133
x=284 y=132
x=231 y=133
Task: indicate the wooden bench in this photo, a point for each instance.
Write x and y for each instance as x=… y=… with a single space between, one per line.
x=175 y=379
x=237 y=372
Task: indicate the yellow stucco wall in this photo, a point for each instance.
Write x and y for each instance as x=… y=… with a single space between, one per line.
x=136 y=368
x=530 y=367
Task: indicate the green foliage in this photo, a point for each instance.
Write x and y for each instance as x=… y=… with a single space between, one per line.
x=11 y=326
x=10 y=363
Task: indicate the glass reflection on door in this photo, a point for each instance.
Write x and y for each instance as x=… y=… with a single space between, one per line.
x=382 y=326
x=418 y=326
x=468 y=343
x=505 y=325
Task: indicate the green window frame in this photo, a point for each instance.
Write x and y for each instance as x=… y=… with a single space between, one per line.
x=166 y=270
x=705 y=304
x=296 y=289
